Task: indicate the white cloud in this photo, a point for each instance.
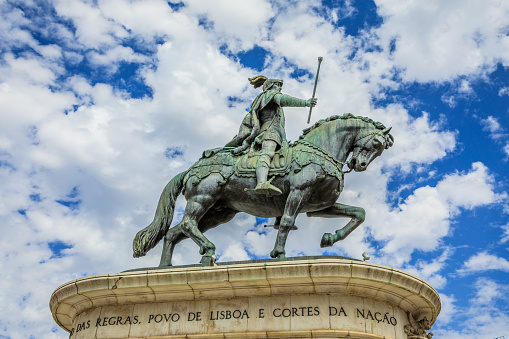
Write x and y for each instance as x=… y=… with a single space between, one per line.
x=503 y=91
x=430 y=271
x=50 y=51
x=260 y=243
x=484 y=317
x=425 y=31
x=460 y=90
x=468 y=190
x=234 y=252
x=484 y=261
x=93 y=29
x=465 y=87
x=239 y=24
x=417 y=140
x=59 y=135
x=148 y=18
x=30 y=70
x=348 y=10
x=496 y=131
x=448 y=310
x=492 y=125
x=505 y=236
x=488 y=291
x=116 y=54
x=424 y=218
x=479 y=324
x=11 y=33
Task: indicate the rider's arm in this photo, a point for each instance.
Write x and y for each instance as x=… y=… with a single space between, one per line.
x=284 y=100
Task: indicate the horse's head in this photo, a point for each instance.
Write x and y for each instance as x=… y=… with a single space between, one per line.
x=367 y=146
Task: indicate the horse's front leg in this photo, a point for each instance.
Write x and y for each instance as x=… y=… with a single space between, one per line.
x=357 y=215
x=294 y=203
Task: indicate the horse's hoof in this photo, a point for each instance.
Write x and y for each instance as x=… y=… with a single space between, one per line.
x=276 y=254
x=326 y=240
x=208 y=251
x=165 y=265
x=208 y=260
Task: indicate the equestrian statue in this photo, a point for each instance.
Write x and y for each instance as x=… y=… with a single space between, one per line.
x=258 y=172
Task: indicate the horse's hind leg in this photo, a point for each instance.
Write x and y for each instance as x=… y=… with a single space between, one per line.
x=357 y=215
x=175 y=234
x=172 y=237
x=197 y=207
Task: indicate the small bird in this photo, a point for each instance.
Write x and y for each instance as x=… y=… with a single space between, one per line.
x=365 y=256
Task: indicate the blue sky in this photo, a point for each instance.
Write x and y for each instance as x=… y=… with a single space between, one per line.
x=102 y=102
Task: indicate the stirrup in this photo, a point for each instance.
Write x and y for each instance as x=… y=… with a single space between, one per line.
x=266 y=188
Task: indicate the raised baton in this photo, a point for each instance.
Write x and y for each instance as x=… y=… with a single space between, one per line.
x=314 y=89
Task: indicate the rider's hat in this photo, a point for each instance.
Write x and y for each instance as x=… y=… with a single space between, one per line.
x=259 y=80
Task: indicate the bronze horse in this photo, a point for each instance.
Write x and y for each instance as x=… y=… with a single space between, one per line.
x=311 y=185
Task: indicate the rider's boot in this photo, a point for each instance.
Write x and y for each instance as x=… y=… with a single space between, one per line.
x=262 y=170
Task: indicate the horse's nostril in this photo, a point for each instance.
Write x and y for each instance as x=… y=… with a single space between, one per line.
x=363 y=164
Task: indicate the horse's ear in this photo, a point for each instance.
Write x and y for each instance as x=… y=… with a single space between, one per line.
x=386 y=131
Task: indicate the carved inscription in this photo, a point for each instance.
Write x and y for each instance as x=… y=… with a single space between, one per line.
x=236 y=314
x=306 y=311
x=157 y=318
x=377 y=316
x=228 y=314
x=112 y=321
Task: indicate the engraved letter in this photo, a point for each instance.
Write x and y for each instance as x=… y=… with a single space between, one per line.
x=332 y=311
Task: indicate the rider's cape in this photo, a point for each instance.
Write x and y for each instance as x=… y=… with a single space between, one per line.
x=252 y=120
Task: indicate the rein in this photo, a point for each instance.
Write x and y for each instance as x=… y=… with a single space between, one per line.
x=338 y=164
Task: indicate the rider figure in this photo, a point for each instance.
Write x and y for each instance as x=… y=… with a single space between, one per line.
x=263 y=128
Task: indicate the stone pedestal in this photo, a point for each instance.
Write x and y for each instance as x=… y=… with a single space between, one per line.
x=319 y=298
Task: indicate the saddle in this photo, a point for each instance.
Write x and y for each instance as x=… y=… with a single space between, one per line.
x=280 y=164
x=222 y=162
x=212 y=161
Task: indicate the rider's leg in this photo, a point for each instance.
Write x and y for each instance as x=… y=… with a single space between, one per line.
x=262 y=168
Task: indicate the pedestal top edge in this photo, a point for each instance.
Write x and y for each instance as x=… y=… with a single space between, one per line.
x=313 y=269
x=325 y=275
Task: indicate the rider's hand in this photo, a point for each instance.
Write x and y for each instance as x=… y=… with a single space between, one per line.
x=311 y=102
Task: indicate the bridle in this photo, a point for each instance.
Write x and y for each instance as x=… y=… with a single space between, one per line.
x=358 y=146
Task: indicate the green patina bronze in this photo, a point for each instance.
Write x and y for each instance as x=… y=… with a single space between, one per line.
x=305 y=177
x=263 y=128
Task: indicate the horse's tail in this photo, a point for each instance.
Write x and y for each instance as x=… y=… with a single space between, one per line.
x=148 y=237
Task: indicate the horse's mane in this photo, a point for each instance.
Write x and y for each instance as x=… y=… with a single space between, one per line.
x=376 y=124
